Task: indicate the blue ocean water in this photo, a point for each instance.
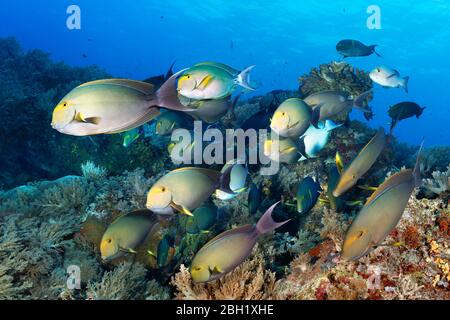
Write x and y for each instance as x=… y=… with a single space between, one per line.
x=136 y=39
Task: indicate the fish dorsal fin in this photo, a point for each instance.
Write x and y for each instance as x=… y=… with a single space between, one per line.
x=145 y=213
x=222 y=66
x=244 y=229
x=144 y=87
x=214 y=175
x=404 y=176
x=377 y=135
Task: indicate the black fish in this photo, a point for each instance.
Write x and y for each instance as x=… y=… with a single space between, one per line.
x=355 y=48
x=369 y=115
x=404 y=110
x=158 y=81
x=261 y=119
x=254 y=198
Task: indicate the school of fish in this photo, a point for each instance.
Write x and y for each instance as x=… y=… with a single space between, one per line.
x=300 y=129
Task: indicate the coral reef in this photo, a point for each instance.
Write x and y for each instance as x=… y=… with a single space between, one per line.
x=249 y=281
x=416 y=270
x=58 y=198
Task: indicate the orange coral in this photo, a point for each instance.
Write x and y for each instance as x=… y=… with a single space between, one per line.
x=411 y=237
x=444 y=224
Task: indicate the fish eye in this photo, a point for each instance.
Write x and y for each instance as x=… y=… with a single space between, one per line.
x=197 y=268
x=109 y=240
x=163 y=189
x=360 y=234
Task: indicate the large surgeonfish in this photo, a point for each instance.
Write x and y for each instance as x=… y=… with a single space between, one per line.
x=381 y=213
x=362 y=163
x=229 y=249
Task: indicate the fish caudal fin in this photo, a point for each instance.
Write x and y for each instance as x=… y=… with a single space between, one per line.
x=373 y=50
x=169 y=72
x=405 y=84
x=416 y=171
x=243 y=79
x=330 y=125
x=167 y=95
x=266 y=223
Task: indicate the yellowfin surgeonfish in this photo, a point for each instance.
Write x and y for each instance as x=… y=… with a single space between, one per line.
x=113 y=106
x=381 y=213
x=169 y=121
x=210 y=111
x=361 y=164
x=126 y=233
x=287 y=152
x=328 y=104
x=212 y=80
x=185 y=189
x=230 y=248
x=130 y=136
x=292 y=118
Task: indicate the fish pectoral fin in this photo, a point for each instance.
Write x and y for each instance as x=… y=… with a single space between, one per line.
x=129 y=250
x=293 y=125
x=354 y=203
x=80 y=118
x=368 y=188
x=393 y=244
x=215 y=270
x=287 y=150
x=240 y=190
x=181 y=209
x=204 y=82
x=290 y=204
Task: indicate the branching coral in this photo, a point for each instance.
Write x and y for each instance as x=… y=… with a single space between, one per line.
x=440 y=182
x=249 y=281
x=92 y=172
x=127 y=281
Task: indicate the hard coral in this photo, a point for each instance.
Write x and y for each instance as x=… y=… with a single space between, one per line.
x=249 y=281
